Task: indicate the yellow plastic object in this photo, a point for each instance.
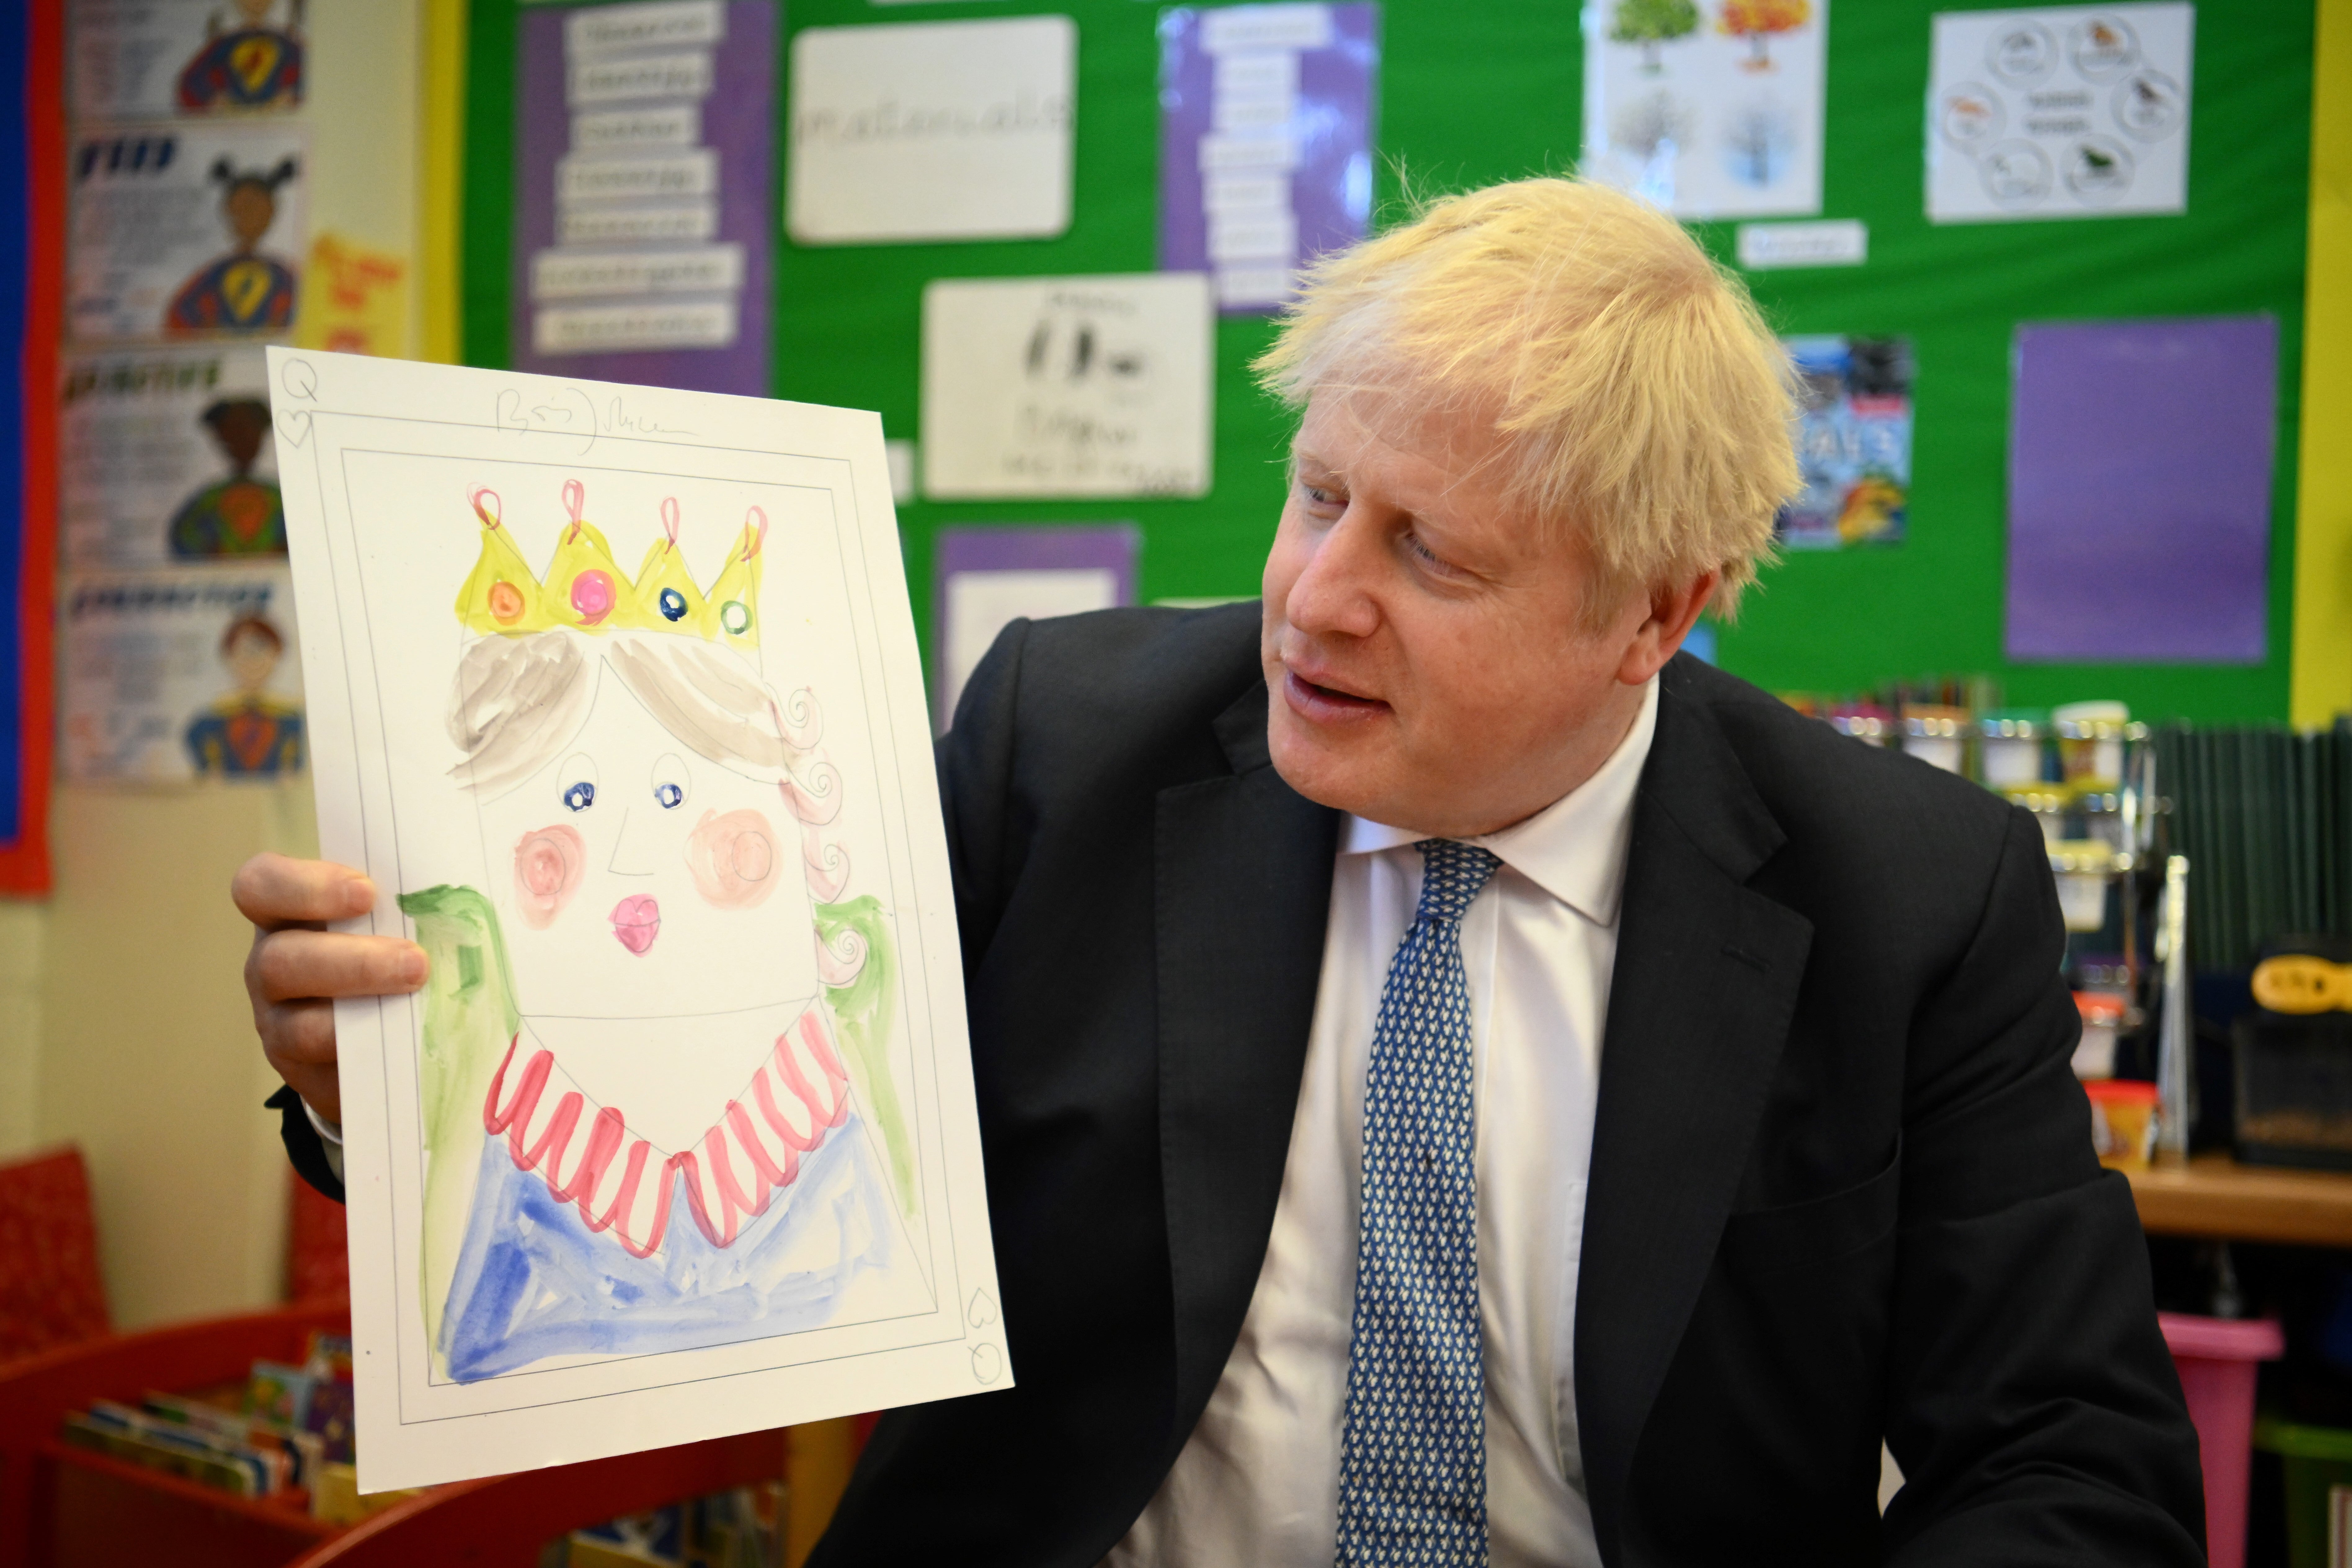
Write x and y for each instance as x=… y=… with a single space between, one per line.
x=2298 y=983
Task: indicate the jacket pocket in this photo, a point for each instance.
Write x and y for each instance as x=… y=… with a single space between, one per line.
x=1818 y=1231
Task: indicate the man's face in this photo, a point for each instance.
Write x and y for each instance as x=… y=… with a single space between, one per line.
x=1422 y=642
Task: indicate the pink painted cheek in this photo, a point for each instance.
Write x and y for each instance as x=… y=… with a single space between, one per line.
x=733 y=858
x=546 y=866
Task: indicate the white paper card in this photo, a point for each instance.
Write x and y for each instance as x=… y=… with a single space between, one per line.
x=1707 y=111
x=2064 y=112
x=1832 y=242
x=618 y=702
x=980 y=604
x=931 y=130
x=1068 y=386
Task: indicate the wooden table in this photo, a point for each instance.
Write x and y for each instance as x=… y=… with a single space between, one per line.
x=2214 y=1196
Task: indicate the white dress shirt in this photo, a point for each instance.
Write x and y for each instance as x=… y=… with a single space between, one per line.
x=1258 y=1482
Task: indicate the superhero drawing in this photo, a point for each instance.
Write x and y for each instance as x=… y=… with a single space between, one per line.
x=247 y=66
x=248 y=732
x=240 y=515
x=244 y=291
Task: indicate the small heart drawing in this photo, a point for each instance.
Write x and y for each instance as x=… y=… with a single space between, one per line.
x=983 y=1309
x=294 y=426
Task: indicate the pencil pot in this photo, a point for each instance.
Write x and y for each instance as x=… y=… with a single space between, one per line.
x=2316 y=1465
x=2216 y=1358
x=2293 y=1072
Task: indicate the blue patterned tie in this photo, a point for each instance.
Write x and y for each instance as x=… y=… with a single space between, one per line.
x=1412 y=1463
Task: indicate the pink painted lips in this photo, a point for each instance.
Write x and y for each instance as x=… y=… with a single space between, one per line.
x=636 y=920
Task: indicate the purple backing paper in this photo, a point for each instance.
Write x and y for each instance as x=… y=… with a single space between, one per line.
x=2139 y=490
x=1052 y=547
x=1330 y=189
x=738 y=119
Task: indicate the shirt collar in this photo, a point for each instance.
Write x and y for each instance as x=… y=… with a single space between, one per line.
x=1573 y=849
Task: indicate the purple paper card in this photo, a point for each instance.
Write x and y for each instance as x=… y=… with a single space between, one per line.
x=983 y=579
x=644 y=177
x=1266 y=141
x=2139 y=490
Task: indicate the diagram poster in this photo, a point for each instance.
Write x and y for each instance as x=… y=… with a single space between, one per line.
x=155 y=59
x=2071 y=111
x=645 y=146
x=1853 y=443
x=615 y=696
x=170 y=675
x=1068 y=386
x=1709 y=108
x=165 y=454
x=1266 y=141
x=187 y=230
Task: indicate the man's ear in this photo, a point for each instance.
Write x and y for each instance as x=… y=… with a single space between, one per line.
x=1673 y=610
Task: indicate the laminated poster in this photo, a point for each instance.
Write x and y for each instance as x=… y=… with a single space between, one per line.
x=156 y=59
x=1709 y=108
x=1068 y=386
x=2067 y=111
x=1853 y=443
x=645 y=163
x=616 y=697
x=1266 y=141
x=165 y=455
x=185 y=231
x=178 y=675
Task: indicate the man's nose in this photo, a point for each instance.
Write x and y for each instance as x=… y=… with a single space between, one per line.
x=1333 y=593
x=635 y=852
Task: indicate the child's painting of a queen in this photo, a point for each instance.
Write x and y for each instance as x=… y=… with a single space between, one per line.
x=677 y=1140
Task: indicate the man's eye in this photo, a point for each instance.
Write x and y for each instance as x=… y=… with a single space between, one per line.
x=581 y=796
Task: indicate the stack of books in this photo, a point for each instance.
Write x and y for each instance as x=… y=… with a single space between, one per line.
x=742 y=1528
x=281 y=1434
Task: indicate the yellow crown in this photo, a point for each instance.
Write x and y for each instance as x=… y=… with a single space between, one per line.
x=585 y=590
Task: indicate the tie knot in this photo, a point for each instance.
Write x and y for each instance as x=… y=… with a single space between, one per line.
x=1452 y=872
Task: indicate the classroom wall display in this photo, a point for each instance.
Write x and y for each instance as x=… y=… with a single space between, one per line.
x=167 y=454
x=184 y=230
x=2061 y=112
x=1266 y=141
x=178 y=675
x=644 y=145
x=984 y=579
x=932 y=131
x=153 y=60
x=1853 y=443
x=682 y=1142
x=1710 y=109
x=2139 y=490
x=1068 y=386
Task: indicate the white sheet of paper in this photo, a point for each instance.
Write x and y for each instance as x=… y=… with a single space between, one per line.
x=176 y=675
x=1068 y=386
x=983 y=604
x=684 y=818
x=931 y=131
x=1709 y=112
x=2060 y=111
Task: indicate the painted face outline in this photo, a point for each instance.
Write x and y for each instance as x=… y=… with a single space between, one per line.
x=636 y=913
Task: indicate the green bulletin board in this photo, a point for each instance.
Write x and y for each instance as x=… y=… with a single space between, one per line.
x=1472 y=93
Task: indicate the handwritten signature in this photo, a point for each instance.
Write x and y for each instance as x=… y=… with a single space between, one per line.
x=574 y=411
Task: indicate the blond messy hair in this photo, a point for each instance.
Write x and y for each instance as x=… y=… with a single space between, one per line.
x=1642 y=399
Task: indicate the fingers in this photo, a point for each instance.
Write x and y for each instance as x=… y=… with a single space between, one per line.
x=298 y=965
x=275 y=890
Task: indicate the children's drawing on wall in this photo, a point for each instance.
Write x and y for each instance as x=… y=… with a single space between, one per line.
x=609 y=1174
x=248 y=730
x=1853 y=443
x=249 y=62
x=160 y=59
x=165 y=454
x=187 y=230
x=245 y=290
x=238 y=515
x=1707 y=108
x=627 y=725
x=181 y=674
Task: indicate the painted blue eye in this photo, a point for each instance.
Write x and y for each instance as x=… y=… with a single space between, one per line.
x=581 y=796
x=670 y=795
x=673 y=604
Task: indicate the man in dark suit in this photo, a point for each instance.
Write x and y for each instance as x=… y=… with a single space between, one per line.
x=1461 y=1082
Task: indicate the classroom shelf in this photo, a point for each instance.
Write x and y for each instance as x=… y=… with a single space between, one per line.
x=2214 y=1196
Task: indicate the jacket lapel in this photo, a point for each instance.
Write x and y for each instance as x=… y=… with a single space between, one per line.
x=1706 y=982
x=1243 y=868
